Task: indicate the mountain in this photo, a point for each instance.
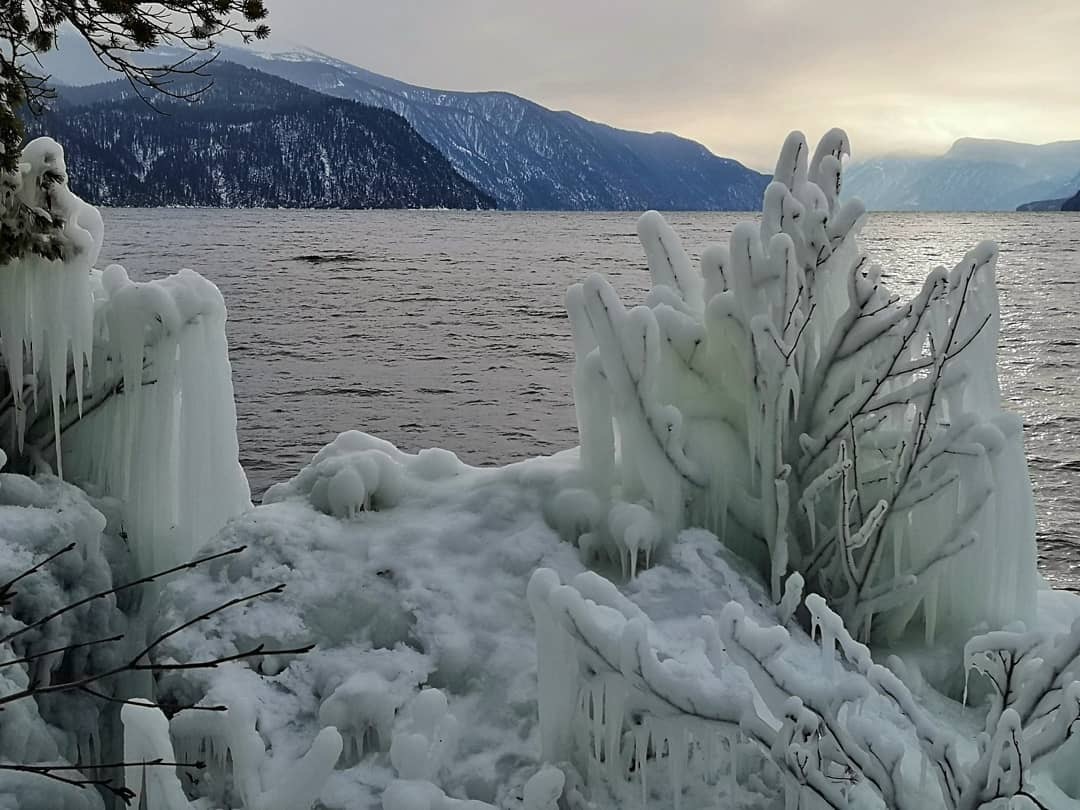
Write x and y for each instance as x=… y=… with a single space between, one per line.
x=530 y=157
x=1041 y=205
x=1072 y=204
x=974 y=175
x=252 y=140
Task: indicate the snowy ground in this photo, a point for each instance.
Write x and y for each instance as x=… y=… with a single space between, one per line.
x=408 y=573
x=430 y=592
x=427 y=589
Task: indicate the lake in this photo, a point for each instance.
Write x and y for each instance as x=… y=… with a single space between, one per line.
x=447 y=329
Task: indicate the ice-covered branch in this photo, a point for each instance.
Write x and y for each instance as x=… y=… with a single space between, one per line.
x=629 y=693
x=723 y=401
x=840 y=728
x=120 y=385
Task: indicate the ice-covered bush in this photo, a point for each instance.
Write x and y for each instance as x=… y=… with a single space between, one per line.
x=39 y=216
x=743 y=708
x=784 y=398
x=126 y=385
x=53 y=552
x=125 y=389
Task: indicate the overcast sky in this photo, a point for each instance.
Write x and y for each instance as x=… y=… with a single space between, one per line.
x=908 y=76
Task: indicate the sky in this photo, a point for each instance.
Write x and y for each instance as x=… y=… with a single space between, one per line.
x=900 y=77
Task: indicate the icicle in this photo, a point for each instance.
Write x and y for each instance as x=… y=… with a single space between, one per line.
x=641 y=751
x=596 y=708
x=793 y=592
x=791 y=795
x=828 y=649
x=930 y=612
x=677 y=756
x=614 y=709
x=897 y=548
x=811 y=518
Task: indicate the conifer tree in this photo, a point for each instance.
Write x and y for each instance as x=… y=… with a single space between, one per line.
x=116 y=31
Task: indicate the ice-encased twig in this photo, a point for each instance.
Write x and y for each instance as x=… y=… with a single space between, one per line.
x=600 y=658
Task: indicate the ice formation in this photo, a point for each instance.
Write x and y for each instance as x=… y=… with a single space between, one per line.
x=126 y=384
x=148 y=738
x=835 y=729
x=785 y=399
x=46 y=311
x=427 y=739
x=38 y=520
x=124 y=388
x=158 y=429
x=842 y=457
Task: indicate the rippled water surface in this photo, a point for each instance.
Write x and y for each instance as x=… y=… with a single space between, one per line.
x=447 y=328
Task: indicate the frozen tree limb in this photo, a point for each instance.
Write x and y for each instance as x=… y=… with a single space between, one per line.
x=29 y=627
x=827 y=728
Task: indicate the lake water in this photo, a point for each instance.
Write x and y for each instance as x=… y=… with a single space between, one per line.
x=438 y=328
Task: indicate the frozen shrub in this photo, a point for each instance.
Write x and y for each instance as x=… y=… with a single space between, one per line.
x=784 y=398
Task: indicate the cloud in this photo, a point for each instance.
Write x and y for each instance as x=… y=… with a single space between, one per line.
x=737 y=76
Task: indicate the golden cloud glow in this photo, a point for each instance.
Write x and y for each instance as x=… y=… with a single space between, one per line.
x=737 y=75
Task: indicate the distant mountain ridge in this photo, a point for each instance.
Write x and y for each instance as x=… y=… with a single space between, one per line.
x=1072 y=204
x=527 y=156
x=1041 y=205
x=973 y=175
x=252 y=140
x=530 y=157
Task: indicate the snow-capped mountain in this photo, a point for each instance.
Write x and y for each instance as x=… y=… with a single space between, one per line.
x=524 y=155
x=974 y=175
x=531 y=157
x=252 y=140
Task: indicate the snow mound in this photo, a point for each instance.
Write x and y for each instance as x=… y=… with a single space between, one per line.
x=357 y=473
x=422 y=591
